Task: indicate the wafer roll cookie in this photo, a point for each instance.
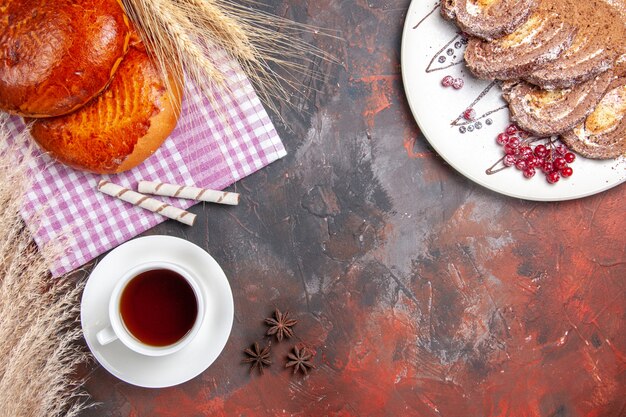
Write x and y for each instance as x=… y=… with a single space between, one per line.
x=146 y=202
x=188 y=192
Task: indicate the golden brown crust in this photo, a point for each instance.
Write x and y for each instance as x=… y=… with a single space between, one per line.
x=55 y=56
x=120 y=128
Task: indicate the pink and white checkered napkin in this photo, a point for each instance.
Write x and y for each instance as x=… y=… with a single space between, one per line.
x=211 y=148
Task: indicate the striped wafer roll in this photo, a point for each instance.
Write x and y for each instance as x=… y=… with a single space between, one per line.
x=146 y=202
x=188 y=192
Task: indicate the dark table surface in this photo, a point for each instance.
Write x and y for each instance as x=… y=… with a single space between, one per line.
x=420 y=292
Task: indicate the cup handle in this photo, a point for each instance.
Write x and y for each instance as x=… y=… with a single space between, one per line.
x=106 y=336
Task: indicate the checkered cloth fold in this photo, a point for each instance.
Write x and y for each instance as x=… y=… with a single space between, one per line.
x=214 y=146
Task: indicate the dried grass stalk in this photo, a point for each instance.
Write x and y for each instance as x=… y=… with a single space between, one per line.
x=184 y=36
x=39 y=319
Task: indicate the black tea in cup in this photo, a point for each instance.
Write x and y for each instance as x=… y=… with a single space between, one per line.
x=158 y=307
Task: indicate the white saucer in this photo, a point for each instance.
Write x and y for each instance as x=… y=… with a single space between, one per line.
x=193 y=359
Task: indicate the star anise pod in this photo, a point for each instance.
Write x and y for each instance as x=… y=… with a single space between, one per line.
x=258 y=358
x=300 y=359
x=280 y=325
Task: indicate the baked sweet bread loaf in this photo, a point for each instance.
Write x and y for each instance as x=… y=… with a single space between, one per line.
x=55 y=56
x=121 y=127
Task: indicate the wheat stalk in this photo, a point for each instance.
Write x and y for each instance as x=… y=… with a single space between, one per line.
x=186 y=35
x=39 y=329
x=224 y=29
x=167 y=34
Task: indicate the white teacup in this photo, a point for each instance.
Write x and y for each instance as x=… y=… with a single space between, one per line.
x=117 y=330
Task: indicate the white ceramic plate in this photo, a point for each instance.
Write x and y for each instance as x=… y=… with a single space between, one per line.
x=193 y=359
x=433 y=48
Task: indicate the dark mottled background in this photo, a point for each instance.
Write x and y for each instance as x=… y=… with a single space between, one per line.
x=420 y=292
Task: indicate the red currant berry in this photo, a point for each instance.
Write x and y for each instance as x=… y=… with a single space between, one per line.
x=458 y=83
x=525 y=151
x=469 y=114
x=561 y=149
x=567 y=172
x=540 y=151
x=511 y=129
x=553 y=177
x=529 y=172
x=510 y=150
x=532 y=161
x=502 y=139
x=447 y=81
x=547 y=167
x=569 y=157
x=521 y=164
x=559 y=163
x=514 y=142
x=509 y=160
x=538 y=161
